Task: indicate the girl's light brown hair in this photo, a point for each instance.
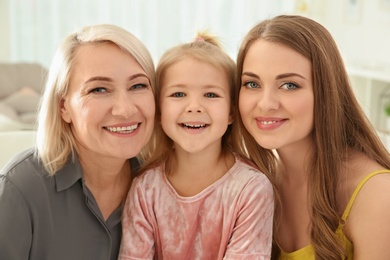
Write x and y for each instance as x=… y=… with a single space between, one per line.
x=205 y=48
x=339 y=124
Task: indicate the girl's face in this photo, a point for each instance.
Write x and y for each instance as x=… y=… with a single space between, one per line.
x=110 y=103
x=276 y=99
x=195 y=105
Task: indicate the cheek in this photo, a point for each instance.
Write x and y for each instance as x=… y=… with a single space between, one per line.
x=168 y=110
x=150 y=107
x=70 y=109
x=146 y=106
x=244 y=106
x=304 y=108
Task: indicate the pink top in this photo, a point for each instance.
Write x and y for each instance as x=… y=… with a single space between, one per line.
x=230 y=219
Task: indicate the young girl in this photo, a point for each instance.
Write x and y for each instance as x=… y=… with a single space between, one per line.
x=197 y=198
x=331 y=169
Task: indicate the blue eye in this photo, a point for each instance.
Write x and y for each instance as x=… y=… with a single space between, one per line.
x=211 y=95
x=289 y=86
x=98 y=90
x=178 y=94
x=251 y=84
x=138 y=86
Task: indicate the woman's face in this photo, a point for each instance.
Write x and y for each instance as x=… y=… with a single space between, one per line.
x=276 y=99
x=109 y=104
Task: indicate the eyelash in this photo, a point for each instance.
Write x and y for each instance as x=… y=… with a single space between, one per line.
x=246 y=84
x=295 y=86
x=98 y=90
x=207 y=95
x=141 y=86
x=178 y=95
x=211 y=95
x=133 y=87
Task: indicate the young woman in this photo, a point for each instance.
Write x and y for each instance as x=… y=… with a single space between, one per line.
x=64 y=198
x=305 y=128
x=198 y=198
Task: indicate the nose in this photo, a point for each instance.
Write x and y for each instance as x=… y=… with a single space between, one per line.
x=123 y=105
x=268 y=100
x=194 y=106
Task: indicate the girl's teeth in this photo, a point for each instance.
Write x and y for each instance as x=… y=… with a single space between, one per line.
x=194 y=126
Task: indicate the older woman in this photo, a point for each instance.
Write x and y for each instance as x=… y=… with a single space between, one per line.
x=63 y=199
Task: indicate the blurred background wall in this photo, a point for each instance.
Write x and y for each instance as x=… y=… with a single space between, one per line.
x=30 y=31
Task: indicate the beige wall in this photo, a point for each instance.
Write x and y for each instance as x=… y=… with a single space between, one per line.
x=362 y=33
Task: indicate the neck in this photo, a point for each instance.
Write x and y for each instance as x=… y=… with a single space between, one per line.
x=294 y=163
x=108 y=181
x=105 y=173
x=192 y=173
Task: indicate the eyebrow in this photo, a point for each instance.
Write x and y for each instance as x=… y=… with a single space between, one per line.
x=281 y=76
x=99 y=78
x=250 y=74
x=286 y=75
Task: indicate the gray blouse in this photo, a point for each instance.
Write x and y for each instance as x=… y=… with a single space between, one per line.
x=53 y=218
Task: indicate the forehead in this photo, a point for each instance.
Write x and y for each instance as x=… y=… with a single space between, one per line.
x=268 y=55
x=98 y=52
x=103 y=57
x=193 y=71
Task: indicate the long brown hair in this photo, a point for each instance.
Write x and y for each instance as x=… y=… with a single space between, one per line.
x=339 y=124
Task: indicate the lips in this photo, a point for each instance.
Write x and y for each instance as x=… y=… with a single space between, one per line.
x=269 y=123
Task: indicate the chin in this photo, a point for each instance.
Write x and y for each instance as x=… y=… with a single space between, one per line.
x=267 y=144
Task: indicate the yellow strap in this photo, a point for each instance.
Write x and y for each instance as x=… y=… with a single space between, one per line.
x=355 y=193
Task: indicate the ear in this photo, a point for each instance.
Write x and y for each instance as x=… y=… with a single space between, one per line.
x=231 y=118
x=64 y=112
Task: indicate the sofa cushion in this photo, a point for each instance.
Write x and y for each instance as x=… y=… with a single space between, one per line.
x=21 y=85
x=14 y=76
x=23 y=100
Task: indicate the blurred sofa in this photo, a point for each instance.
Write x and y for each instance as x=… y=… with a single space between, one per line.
x=21 y=86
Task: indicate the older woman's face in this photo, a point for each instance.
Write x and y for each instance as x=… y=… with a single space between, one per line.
x=110 y=103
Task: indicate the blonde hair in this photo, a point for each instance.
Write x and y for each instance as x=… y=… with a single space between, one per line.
x=339 y=124
x=204 y=48
x=55 y=142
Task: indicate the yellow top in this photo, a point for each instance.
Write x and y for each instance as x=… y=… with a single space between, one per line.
x=307 y=252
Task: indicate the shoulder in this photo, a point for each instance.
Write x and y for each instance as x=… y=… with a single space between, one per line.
x=375 y=190
x=246 y=170
x=23 y=173
x=248 y=182
x=151 y=177
x=367 y=226
x=23 y=167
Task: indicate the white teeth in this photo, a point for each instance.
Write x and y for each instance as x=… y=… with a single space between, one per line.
x=268 y=122
x=123 y=129
x=194 y=126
